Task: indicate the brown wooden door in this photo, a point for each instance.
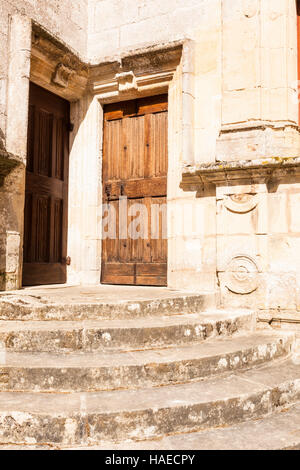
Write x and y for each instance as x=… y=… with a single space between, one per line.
x=45 y=228
x=135 y=164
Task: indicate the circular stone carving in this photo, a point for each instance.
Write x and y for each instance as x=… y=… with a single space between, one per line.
x=241 y=275
x=241 y=203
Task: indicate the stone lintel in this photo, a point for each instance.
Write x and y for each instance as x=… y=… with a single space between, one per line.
x=264 y=169
x=148 y=72
x=56 y=67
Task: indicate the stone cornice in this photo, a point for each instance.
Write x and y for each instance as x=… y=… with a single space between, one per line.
x=147 y=72
x=229 y=171
x=57 y=68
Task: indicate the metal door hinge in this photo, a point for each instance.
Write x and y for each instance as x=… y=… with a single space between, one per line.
x=67 y=260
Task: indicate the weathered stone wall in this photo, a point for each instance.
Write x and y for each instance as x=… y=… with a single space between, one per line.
x=232 y=98
x=116 y=26
x=258 y=243
x=66 y=20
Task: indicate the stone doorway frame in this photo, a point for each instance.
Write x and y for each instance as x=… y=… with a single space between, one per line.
x=38 y=57
x=146 y=73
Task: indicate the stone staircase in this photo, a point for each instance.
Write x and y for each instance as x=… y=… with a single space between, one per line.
x=144 y=375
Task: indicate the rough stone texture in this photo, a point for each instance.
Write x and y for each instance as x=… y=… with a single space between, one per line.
x=80 y=419
x=230 y=70
x=105 y=302
x=140 y=23
x=151 y=365
x=280 y=431
x=128 y=334
x=125 y=370
x=232 y=98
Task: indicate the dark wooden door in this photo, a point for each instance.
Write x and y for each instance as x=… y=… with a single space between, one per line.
x=135 y=164
x=45 y=228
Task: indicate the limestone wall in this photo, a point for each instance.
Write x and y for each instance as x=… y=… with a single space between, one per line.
x=66 y=20
x=116 y=26
x=258 y=246
x=233 y=98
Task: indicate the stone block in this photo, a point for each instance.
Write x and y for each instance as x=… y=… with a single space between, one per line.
x=110 y=14
x=9 y=260
x=110 y=43
x=294 y=205
x=284 y=253
x=249 y=248
x=278 y=213
x=241 y=106
x=281 y=291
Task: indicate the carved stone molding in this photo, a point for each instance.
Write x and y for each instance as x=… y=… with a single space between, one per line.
x=61 y=75
x=241 y=275
x=55 y=67
x=241 y=203
x=146 y=72
x=264 y=170
x=126 y=83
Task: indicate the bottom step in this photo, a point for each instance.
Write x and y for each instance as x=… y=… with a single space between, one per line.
x=93 y=418
x=279 y=431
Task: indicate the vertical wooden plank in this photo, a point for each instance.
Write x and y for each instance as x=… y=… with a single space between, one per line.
x=27 y=227
x=30 y=139
x=45 y=143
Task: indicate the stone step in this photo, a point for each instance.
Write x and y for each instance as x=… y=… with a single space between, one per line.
x=50 y=372
x=23 y=306
x=92 y=418
x=129 y=334
x=278 y=431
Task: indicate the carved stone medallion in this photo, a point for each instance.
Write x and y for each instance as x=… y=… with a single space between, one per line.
x=241 y=274
x=241 y=203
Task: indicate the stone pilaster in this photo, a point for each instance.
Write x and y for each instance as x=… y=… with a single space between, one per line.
x=9 y=260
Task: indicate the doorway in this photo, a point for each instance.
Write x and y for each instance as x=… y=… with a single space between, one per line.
x=135 y=166
x=46 y=190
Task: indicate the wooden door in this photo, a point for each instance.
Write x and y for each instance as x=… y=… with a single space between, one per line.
x=135 y=164
x=298 y=54
x=45 y=227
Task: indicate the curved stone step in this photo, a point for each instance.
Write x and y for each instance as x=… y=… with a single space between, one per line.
x=278 y=431
x=92 y=418
x=77 y=304
x=119 y=370
x=130 y=334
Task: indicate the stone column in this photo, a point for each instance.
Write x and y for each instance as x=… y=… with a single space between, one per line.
x=259 y=95
x=85 y=192
x=12 y=190
x=18 y=85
